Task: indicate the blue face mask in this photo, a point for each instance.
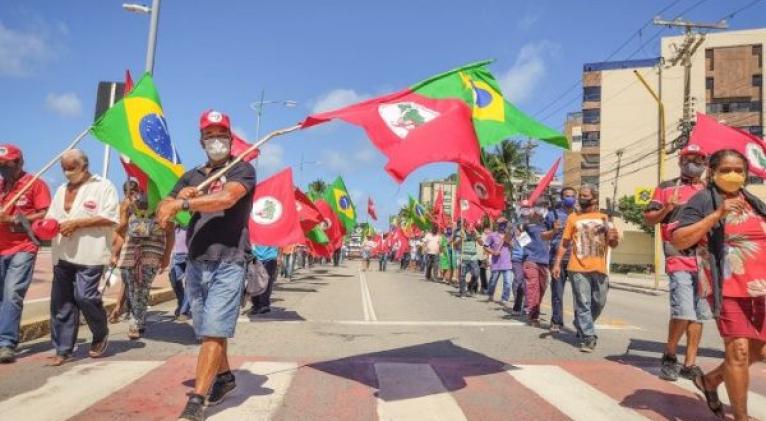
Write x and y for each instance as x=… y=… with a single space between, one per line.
x=568 y=202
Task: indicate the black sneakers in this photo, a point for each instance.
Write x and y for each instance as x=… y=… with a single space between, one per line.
x=589 y=345
x=690 y=372
x=670 y=368
x=224 y=384
x=194 y=410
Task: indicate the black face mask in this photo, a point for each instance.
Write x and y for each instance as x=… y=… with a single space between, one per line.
x=7 y=172
x=584 y=203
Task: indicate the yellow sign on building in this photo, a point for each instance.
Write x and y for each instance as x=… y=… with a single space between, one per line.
x=643 y=195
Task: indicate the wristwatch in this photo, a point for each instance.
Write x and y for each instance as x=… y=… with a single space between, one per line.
x=185 y=204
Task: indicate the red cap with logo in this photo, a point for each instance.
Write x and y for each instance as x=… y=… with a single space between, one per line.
x=45 y=229
x=214 y=118
x=10 y=152
x=692 y=150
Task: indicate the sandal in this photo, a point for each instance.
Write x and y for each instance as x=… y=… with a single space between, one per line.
x=58 y=360
x=711 y=396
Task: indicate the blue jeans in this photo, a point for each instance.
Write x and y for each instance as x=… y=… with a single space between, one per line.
x=15 y=277
x=589 y=290
x=557 y=295
x=382 y=260
x=467 y=266
x=177 y=276
x=215 y=293
x=507 y=279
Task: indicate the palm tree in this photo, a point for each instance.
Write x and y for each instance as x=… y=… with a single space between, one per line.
x=508 y=161
x=317 y=187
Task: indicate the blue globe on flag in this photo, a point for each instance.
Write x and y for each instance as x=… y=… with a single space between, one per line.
x=154 y=133
x=344 y=202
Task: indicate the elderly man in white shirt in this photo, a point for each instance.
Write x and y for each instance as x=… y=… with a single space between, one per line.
x=87 y=210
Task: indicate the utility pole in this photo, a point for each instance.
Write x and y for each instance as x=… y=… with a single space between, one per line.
x=527 y=156
x=693 y=39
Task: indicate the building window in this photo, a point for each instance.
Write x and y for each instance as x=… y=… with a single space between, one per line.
x=757 y=80
x=755 y=130
x=591 y=136
x=591 y=93
x=591 y=116
x=576 y=139
x=590 y=143
x=734 y=107
x=709 y=83
x=590 y=179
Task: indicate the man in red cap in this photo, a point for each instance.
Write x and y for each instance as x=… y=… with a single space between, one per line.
x=17 y=249
x=687 y=308
x=218 y=243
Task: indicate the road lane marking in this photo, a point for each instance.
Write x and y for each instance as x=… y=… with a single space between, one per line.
x=436 y=323
x=364 y=297
x=414 y=392
x=254 y=398
x=67 y=394
x=369 y=310
x=572 y=396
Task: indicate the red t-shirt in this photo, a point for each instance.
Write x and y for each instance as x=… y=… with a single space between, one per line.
x=36 y=199
x=675 y=261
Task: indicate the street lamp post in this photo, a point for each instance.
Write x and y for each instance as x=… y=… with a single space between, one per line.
x=257 y=106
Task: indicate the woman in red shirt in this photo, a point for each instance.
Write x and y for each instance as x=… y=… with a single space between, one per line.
x=728 y=227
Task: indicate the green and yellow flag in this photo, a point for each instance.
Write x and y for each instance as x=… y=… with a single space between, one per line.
x=136 y=127
x=417 y=215
x=340 y=202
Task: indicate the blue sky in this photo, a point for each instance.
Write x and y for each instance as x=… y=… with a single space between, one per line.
x=323 y=54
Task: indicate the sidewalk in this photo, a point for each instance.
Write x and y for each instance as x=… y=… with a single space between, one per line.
x=638 y=282
x=35 y=318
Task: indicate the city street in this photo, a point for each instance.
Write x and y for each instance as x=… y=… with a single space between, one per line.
x=342 y=344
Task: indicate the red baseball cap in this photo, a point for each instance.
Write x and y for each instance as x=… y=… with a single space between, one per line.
x=45 y=229
x=214 y=118
x=692 y=150
x=10 y=152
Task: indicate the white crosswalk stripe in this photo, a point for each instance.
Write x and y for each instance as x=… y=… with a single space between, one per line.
x=75 y=390
x=414 y=392
x=257 y=397
x=575 y=398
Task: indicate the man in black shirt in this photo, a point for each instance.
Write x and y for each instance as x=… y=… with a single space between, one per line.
x=217 y=239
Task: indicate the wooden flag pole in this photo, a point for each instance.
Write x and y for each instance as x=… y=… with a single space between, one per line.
x=47 y=166
x=220 y=173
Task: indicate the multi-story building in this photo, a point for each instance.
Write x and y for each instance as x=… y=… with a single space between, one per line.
x=573 y=161
x=429 y=189
x=620 y=119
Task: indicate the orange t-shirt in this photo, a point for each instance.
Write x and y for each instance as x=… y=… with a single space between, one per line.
x=587 y=232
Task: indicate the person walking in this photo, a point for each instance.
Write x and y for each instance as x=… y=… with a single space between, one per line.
x=468 y=243
x=18 y=251
x=499 y=247
x=727 y=226
x=268 y=257
x=688 y=309
x=218 y=242
x=432 y=245
x=446 y=257
x=591 y=236
x=177 y=275
x=87 y=210
x=519 y=285
x=555 y=221
x=536 y=260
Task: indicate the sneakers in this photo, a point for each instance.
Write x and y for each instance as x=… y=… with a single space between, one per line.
x=7 y=355
x=98 y=349
x=224 y=384
x=691 y=372
x=589 y=345
x=194 y=410
x=670 y=368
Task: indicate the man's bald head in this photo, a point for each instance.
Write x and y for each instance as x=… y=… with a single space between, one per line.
x=74 y=159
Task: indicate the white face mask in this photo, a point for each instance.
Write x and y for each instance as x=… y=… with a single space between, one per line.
x=217 y=148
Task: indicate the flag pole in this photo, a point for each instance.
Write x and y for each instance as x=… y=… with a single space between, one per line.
x=220 y=173
x=47 y=166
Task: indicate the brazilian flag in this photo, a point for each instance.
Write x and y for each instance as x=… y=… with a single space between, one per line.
x=136 y=127
x=418 y=215
x=340 y=202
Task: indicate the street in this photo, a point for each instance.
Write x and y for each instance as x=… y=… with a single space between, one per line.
x=342 y=344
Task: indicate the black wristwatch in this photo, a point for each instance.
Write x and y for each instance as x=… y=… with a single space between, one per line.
x=185 y=204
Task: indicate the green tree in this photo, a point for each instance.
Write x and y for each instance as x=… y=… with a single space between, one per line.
x=317 y=187
x=634 y=213
x=508 y=161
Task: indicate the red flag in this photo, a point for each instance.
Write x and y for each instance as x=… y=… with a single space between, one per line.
x=712 y=136
x=543 y=183
x=239 y=145
x=371 y=209
x=274 y=219
x=412 y=130
x=130 y=168
x=477 y=185
x=402 y=242
x=333 y=227
x=319 y=250
x=439 y=217
x=308 y=214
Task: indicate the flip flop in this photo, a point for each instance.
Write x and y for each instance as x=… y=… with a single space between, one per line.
x=711 y=397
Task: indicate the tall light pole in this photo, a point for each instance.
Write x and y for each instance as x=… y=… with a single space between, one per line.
x=151 y=48
x=257 y=106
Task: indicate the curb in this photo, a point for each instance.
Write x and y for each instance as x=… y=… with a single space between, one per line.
x=38 y=327
x=639 y=290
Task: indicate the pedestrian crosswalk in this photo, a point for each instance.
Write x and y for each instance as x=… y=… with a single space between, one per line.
x=365 y=388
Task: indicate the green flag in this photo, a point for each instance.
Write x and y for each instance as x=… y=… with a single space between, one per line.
x=340 y=202
x=317 y=235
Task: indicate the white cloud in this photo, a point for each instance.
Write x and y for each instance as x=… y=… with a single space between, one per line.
x=365 y=155
x=66 y=104
x=335 y=161
x=529 y=69
x=341 y=161
x=21 y=52
x=528 y=20
x=337 y=98
x=271 y=157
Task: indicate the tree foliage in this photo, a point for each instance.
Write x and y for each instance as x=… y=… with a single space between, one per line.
x=634 y=213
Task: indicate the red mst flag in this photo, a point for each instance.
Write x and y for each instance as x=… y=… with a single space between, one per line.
x=711 y=136
x=439 y=217
x=332 y=225
x=402 y=242
x=543 y=183
x=239 y=145
x=308 y=214
x=274 y=218
x=371 y=209
x=477 y=185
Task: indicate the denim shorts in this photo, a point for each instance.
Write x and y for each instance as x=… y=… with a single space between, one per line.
x=215 y=293
x=685 y=300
